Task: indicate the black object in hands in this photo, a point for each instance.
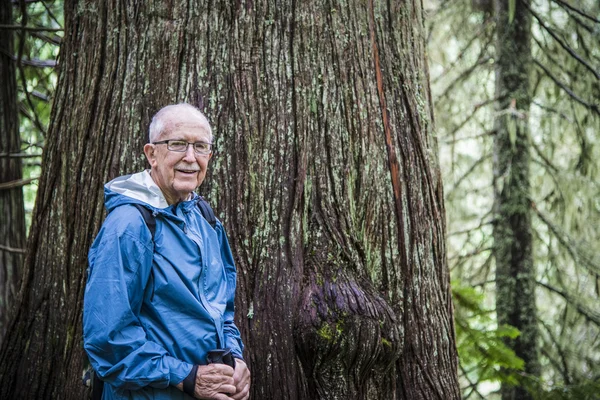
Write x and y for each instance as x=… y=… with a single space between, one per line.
x=221 y=356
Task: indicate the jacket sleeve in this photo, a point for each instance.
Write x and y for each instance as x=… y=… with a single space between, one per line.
x=120 y=262
x=231 y=333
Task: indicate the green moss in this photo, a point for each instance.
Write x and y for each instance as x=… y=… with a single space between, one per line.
x=326 y=332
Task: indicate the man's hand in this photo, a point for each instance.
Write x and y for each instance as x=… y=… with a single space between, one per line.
x=241 y=377
x=213 y=382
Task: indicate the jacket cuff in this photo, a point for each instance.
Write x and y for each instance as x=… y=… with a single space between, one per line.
x=189 y=382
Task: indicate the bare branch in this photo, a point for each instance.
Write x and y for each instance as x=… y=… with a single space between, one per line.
x=478 y=162
x=55 y=39
x=456 y=140
x=472 y=385
x=26 y=114
x=465 y=74
x=576 y=253
x=552 y=110
x=471 y=115
x=19 y=155
x=35 y=62
x=468 y=231
x=563 y=44
x=593 y=107
x=470 y=254
x=16 y=2
x=578 y=11
x=467 y=46
x=50 y=13
x=12 y=249
x=539 y=152
x=16 y=183
x=29 y=28
x=590 y=315
x=563 y=366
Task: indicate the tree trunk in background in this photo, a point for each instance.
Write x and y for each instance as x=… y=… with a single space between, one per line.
x=515 y=273
x=325 y=176
x=12 y=210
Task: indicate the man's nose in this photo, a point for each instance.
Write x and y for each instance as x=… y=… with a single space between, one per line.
x=190 y=154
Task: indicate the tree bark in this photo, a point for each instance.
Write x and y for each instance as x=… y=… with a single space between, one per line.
x=325 y=174
x=515 y=272
x=12 y=210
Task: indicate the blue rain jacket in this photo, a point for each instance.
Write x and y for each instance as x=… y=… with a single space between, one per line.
x=152 y=309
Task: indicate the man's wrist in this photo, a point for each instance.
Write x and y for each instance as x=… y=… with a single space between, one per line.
x=189 y=382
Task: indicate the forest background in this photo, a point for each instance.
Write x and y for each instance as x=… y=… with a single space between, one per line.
x=553 y=120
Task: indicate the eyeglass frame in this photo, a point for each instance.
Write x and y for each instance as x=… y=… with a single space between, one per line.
x=186 y=146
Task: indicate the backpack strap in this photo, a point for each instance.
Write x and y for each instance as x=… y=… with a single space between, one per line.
x=148 y=218
x=207 y=211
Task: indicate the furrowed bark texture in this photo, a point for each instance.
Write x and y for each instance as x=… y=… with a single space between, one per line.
x=325 y=175
x=12 y=211
x=515 y=273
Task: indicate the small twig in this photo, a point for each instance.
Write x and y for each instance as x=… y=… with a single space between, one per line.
x=12 y=249
x=16 y=183
x=456 y=140
x=593 y=107
x=578 y=11
x=563 y=44
x=19 y=155
x=553 y=110
x=589 y=314
x=478 y=162
x=28 y=28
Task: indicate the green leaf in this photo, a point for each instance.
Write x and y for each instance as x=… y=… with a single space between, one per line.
x=511 y=10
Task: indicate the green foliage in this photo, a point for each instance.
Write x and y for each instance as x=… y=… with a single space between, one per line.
x=36 y=53
x=481 y=344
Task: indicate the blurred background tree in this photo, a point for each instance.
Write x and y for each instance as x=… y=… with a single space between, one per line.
x=30 y=36
x=550 y=118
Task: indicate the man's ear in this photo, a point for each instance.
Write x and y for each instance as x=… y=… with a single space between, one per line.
x=150 y=152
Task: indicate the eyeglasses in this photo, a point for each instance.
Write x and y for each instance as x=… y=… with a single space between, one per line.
x=182 y=146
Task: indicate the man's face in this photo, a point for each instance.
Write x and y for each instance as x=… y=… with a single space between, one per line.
x=178 y=174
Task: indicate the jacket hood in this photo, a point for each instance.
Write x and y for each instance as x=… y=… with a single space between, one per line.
x=135 y=188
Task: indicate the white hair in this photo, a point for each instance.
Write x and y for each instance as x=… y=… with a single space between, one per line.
x=164 y=116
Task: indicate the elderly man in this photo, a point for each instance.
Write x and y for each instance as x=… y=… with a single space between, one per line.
x=159 y=298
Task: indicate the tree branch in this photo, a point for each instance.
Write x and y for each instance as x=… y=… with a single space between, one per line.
x=578 y=11
x=564 y=239
x=590 y=315
x=28 y=28
x=563 y=366
x=552 y=110
x=562 y=44
x=467 y=173
x=55 y=39
x=465 y=74
x=464 y=50
x=19 y=155
x=593 y=107
x=16 y=183
x=12 y=249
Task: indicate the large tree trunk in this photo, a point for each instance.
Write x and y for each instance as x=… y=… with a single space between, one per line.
x=325 y=175
x=12 y=211
x=515 y=273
